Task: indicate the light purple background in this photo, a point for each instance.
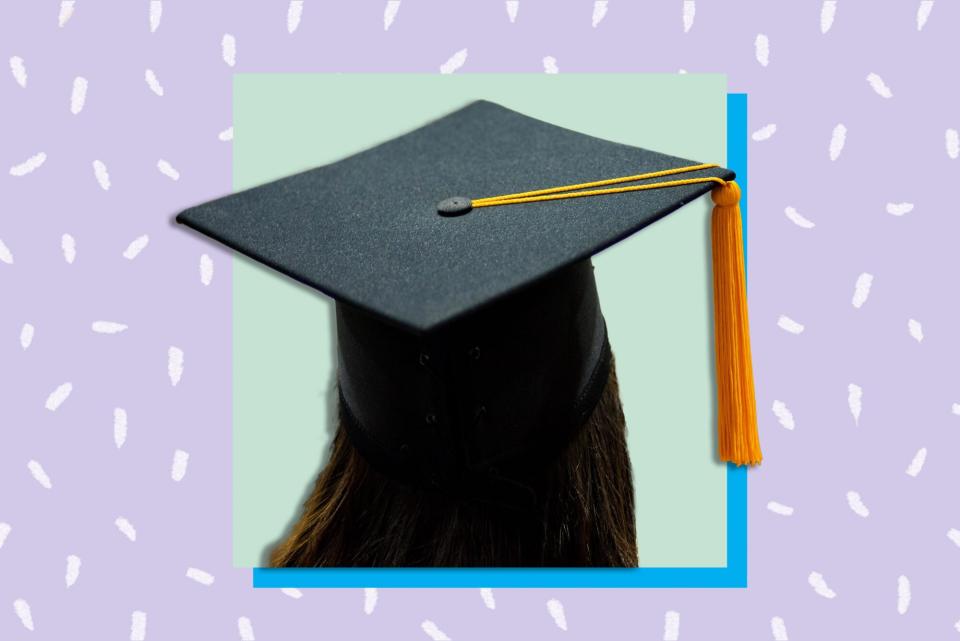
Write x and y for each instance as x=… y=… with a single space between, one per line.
x=895 y=152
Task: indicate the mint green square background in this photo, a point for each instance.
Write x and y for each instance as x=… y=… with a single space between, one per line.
x=654 y=287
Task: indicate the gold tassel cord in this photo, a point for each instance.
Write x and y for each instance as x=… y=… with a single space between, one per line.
x=737 y=434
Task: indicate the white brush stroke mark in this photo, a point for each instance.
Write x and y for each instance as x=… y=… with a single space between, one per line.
x=455 y=62
x=58 y=396
x=22 y=608
x=797 y=219
x=167 y=170
x=903 y=594
x=152 y=82
x=512 y=7
x=293 y=593
x=136 y=246
x=179 y=467
x=957 y=625
x=861 y=290
x=955 y=408
x=487 y=595
x=294 y=13
x=899 y=209
x=837 y=140
x=555 y=608
x=953 y=534
x=39 y=475
x=73 y=570
x=681 y=71
x=26 y=335
x=138 y=626
x=923 y=12
x=855 y=401
x=953 y=143
x=783 y=414
x=156 y=11
x=206 y=269
x=69 y=246
x=226 y=135
x=787 y=324
x=126 y=528
x=762 y=48
x=689 y=13
x=916 y=329
x=820 y=586
x=764 y=133
x=100 y=171
x=119 y=426
x=66 y=11
x=550 y=65
x=856 y=504
x=879 y=86
x=174 y=364
x=827 y=13
x=201 y=577
x=4 y=532
x=599 y=11
x=433 y=631
x=671 y=625
x=29 y=165
x=19 y=70
x=370 y=596
x=245 y=628
x=780 y=508
x=390 y=13
x=108 y=327
x=779 y=629
x=78 y=97
x=228 y=49
x=916 y=465
x=6 y=256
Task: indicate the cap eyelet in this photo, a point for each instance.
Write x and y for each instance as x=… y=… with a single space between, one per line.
x=474 y=352
x=430 y=419
x=424 y=358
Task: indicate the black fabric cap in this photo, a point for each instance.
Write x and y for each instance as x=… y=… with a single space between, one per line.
x=365 y=230
x=471 y=341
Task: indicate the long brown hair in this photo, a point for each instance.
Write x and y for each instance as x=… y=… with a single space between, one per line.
x=356 y=516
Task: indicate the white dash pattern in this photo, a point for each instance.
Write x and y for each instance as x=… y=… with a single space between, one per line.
x=916 y=465
x=787 y=324
x=19 y=70
x=878 y=85
x=69 y=246
x=599 y=11
x=689 y=13
x=764 y=133
x=26 y=335
x=855 y=401
x=119 y=426
x=779 y=629
x=245 y=628
x=953 y=143
x=861 y=289
x=370 y=596
x=915 y=329
x=108 y=327
x=903 y=594
x=136 y=246
x=837 y=140
x=390 y=13
x=432 y=631
x=856 y=504
x=58 y=396
x=550 y=65
x=39 y=474
x=828 y=11
x=78 y=97
x=29 y=165
x=555 y=608
x=226 y=135
x=294 y=13
x=5 y=529
x=6 y=256
x=899 y=209
x=22 y=608
x=761 y=47
x=780 y=508
x=454 y=62
x=179 y=467
x=923 y=13
x=73 y=570
x=671 y=626
x=200 y=576
x=820 y=586
x=66 y=11
x=783 y=414
x=101 y=174
x=168 y=170
x=153 y=82
x=206 y=269
x=156 y=12
x=138 y=625
x=797 y=219
x=953 y=534
x=126 y=528
x=228 y=49
x=293 y=593
x=487 y=595
x=174 y=364
x=513 y=6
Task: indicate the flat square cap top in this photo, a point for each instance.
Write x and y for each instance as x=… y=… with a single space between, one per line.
x=366 y=230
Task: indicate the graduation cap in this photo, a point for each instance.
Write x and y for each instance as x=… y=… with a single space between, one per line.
x=468 y=322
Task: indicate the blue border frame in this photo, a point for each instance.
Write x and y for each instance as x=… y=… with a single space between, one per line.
x=734 y=575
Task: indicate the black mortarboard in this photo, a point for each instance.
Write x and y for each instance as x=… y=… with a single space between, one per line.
x=489 y=314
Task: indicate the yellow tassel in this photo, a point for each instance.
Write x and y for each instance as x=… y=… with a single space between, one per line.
x=739 y=442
